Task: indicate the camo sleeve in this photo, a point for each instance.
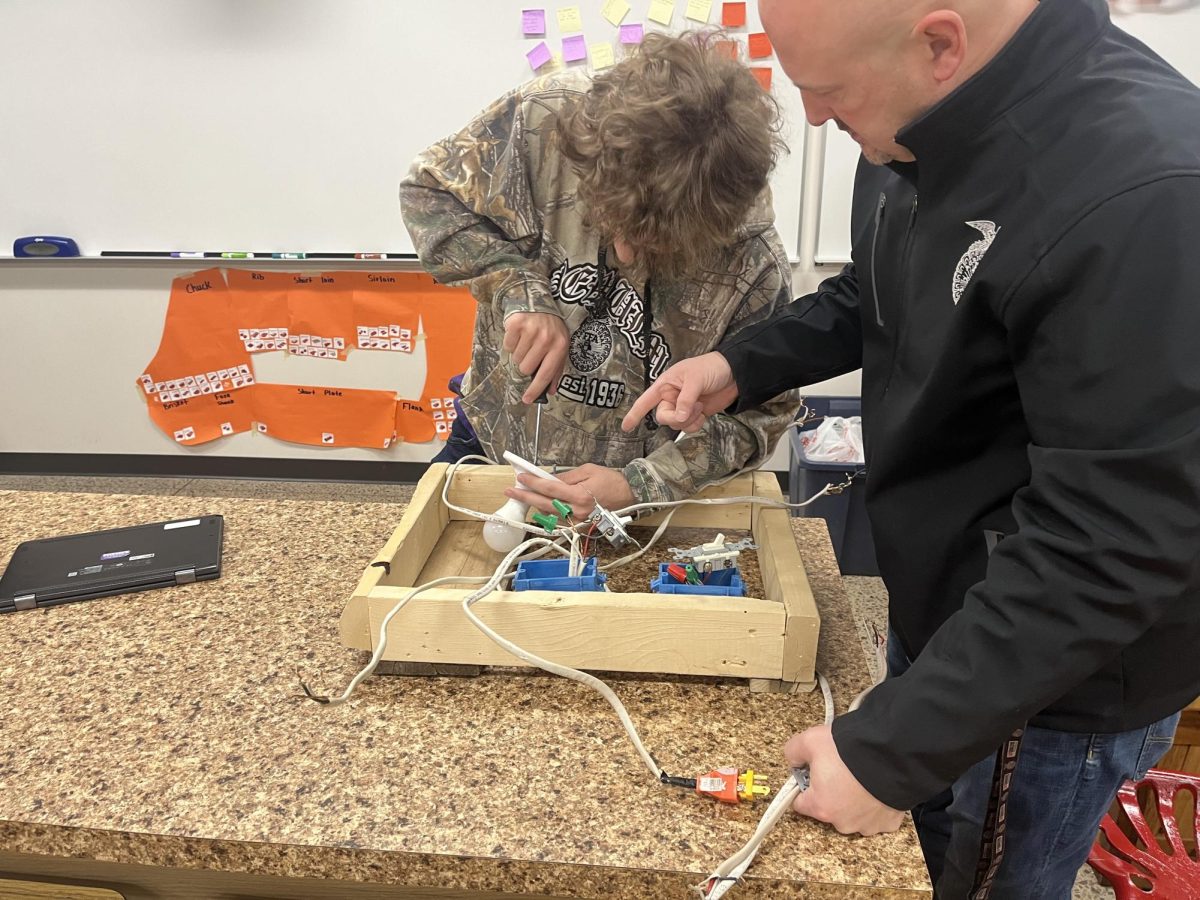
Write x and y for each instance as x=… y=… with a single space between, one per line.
x=468 y=203
x=728 y=444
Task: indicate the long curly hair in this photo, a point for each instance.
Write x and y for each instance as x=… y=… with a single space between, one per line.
x=672 y=147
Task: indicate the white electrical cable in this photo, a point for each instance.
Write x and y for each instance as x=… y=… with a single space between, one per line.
x=728 y=873
x=726 y=501
x=382 y=638
x=565 y=671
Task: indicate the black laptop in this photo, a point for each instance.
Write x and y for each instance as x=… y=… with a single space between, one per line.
x=60 y=570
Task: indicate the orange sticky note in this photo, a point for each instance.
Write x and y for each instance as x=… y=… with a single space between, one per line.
x=760 y=45
x=733 y=15
x=727 y=48
x=763 y=74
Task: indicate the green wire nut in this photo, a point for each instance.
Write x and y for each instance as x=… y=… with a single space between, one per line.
x=549 y=521
x=563 y=509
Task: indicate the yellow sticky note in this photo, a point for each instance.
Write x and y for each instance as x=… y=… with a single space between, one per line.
x=569 y=19
x=699 y=10
x=602 y=55
x=555 y=64
x=615 y=10
x=661 y=11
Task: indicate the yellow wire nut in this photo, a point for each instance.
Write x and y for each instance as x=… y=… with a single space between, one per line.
x=748 y=789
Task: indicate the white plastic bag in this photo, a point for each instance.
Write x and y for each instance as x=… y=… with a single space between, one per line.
x=836 y=439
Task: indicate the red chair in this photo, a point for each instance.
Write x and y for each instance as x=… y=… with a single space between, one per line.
x=1146 y=870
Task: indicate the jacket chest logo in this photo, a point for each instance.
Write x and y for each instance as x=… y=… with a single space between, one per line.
x=965 y=270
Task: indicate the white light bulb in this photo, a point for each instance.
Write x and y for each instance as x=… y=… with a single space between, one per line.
x=501 y=536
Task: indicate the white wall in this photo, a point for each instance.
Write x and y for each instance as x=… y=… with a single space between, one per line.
x=75 y=335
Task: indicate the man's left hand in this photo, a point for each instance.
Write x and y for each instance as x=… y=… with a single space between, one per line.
x=834 y=795
x=580 y=488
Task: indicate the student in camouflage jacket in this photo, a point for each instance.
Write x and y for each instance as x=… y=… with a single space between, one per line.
x=569 y=207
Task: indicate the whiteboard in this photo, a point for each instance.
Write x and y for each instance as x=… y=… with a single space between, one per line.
x=262 y=125
x=1173 y=36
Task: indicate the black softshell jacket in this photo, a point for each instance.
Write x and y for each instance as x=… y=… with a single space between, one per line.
x=1024 y=302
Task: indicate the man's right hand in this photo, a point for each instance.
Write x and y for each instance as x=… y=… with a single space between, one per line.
x=538 y=344
x=686 y=394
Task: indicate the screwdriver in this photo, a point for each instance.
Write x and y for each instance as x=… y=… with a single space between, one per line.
x=537 y=428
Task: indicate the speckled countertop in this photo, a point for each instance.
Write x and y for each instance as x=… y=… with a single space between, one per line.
x=167 y=728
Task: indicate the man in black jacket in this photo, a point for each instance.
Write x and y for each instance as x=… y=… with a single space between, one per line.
x=1031 y=392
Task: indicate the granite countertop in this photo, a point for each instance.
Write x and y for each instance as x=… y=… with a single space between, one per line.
x=168 y=728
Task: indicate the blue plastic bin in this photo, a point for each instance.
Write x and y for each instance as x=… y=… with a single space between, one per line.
x=726 y=582
x=551 y=575
x=846 y=513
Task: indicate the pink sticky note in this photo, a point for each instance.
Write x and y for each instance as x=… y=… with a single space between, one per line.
x=574 y=48
x=538 y=56
x=631 y=34
x=533 y=21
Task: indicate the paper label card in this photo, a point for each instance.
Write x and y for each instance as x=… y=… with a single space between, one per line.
x=614 y=10
x=760 y=46
x=538 y=56
x=602 y=55
x=574 y=48
x=569 y=19
x=631 y=34
x=533 y=22
x=661 y=11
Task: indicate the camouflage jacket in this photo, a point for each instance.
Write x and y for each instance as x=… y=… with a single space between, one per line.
x=493 y=206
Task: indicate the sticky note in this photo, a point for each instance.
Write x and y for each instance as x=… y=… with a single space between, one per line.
x=614 y=10
x=763 y=74
x=533 y=22
x=602 y=55
x=760 y=45
x=631 y=34
x=661 y=11
x=569 y=19
x=574 y=48
x=538 y=56
x=733 y=15
x=699 y=10
x=555 y=64
x=728 y=49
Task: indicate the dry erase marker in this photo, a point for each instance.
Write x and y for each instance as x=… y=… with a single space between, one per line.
x=188 y=254
x=370 y=256
x=237 y=255
x=287 y=256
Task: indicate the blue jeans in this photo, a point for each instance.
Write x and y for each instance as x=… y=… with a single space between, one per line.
x=1061 y=788
x=461 y=442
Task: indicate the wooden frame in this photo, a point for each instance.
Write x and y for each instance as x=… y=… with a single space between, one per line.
x=770 y=640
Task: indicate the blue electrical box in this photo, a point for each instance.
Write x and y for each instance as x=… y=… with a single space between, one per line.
x=554 y=575
x=725 y=582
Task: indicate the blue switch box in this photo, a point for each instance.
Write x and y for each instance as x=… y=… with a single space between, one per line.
x=552 y=575
x=725 y=582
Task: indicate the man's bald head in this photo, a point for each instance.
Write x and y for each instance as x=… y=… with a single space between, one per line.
x=874 y=65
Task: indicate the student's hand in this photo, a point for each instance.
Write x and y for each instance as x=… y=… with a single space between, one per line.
x=686 y=394
x=581 y=488
x=834 y=795
x=538 y=344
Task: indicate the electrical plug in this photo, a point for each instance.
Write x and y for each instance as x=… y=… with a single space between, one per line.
x=731 y=786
